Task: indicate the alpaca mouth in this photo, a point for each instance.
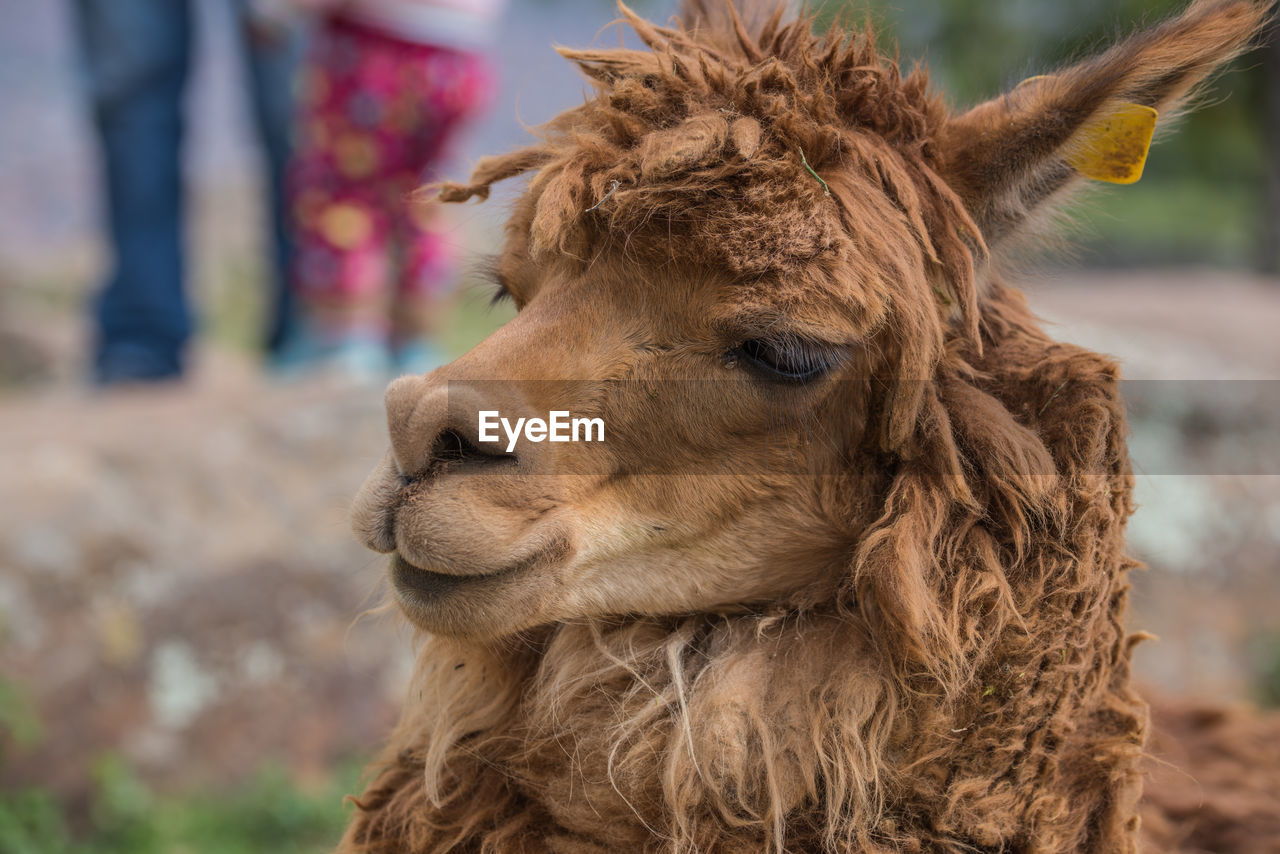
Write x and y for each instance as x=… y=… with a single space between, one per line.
x=426 y=594
x=419 y=585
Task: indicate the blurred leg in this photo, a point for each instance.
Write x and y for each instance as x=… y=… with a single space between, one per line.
x=428 y=269
x=341 y=252
x=274 y=56
x=136 y=56
x=341 y=263
x=451 y=88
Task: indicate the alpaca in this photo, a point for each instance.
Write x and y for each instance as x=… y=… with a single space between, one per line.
x=847 y=572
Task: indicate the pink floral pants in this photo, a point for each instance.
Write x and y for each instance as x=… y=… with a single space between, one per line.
x=377 y=115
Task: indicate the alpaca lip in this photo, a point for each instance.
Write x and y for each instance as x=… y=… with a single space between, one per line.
x=424 y=584
x=415 y=585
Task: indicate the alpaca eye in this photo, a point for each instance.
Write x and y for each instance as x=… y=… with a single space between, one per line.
x=490 y=271
x=501 y=294
x=789 y=360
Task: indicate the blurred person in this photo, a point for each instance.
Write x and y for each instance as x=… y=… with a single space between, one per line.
x=389 y=84
x=137 y=56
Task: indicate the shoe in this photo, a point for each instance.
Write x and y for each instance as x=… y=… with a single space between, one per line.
x=417 y=356
x=130 y=364
x=358 y=357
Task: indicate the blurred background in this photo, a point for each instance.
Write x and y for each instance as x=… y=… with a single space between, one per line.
x=181 y=664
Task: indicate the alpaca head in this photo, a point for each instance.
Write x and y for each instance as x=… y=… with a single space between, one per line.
x=760 y=259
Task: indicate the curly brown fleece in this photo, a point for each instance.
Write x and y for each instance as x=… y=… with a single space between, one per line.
x=966 y=686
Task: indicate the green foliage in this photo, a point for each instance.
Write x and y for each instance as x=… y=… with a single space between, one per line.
x=1149 y=224
x=31 y=823
x=271 y=814
x=1214 y=163
x=976 y=51
x=19 y=723
x=1267 y=667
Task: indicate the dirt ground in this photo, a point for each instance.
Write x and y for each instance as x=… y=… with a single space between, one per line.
x=1202 y=360
x=178 y=585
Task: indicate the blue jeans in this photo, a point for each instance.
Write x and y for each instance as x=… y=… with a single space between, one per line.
x=137 y=56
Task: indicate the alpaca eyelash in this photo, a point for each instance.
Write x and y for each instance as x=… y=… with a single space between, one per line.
x=789 y=359
x=487 y=271
x=501 y=293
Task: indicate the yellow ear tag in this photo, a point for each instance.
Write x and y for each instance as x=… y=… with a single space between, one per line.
x=1114 y=148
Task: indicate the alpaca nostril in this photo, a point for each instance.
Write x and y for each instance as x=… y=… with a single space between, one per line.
x=452 y=447
x=434 y=425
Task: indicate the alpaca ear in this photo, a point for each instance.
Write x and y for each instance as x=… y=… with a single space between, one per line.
x=1008 y=156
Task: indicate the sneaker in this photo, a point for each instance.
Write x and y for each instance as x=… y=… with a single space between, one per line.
x=131 y=364
x=359 y=357
x=417 y=356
